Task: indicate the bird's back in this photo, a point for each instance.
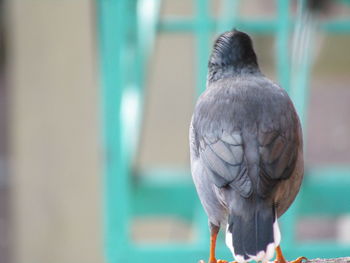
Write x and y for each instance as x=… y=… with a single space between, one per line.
x=246 y=149
x=254 y=109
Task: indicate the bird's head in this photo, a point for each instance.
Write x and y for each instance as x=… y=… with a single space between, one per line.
x=233 y=50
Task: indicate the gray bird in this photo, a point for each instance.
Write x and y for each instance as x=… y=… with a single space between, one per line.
x=246 y=151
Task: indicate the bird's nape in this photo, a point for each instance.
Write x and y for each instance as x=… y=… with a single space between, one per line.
x=232 y=53
x=233 y=48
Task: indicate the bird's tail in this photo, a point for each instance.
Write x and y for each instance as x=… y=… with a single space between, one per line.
x=253 y=234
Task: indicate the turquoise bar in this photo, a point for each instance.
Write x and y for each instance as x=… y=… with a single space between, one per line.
x=178 y=25
x=256 y=26
x=282 y=44
x=164 y=192
x=320 y=191
x=228 y=16
x=337 y=27
x=325 y=192
x=202 y=30
x=300 y=73
x=113 y=25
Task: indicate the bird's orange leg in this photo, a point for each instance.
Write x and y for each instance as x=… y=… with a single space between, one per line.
x=214 y=230
x=213 y=237
x=280 y=258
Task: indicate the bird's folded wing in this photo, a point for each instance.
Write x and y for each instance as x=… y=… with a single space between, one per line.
x=278 y=150
x=223 y=160
x=223 y=156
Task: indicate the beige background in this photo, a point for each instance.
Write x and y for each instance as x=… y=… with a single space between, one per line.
x=54 y=149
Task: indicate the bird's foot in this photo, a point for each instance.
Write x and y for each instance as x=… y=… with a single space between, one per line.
x=280 y=258
x=298 y=260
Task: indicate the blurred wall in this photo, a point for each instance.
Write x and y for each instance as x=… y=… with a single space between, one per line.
x=54 y=148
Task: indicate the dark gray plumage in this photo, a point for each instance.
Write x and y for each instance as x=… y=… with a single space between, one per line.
x=246 y=150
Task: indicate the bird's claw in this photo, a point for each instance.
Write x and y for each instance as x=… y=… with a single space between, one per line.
x=298 y=260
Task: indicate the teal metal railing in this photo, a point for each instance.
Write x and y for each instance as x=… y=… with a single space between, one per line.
x=127 y=31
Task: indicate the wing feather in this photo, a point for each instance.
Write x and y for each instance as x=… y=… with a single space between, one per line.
x=278 y=151
x=223 y=161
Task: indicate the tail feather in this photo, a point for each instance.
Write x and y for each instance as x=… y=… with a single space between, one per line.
x=253 y=235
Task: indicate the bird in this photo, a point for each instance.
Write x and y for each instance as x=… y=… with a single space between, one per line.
x=246 y=152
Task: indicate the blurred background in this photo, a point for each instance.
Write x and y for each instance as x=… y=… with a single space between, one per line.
x=95 y=103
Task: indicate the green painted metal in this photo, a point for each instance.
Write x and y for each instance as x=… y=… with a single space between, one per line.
x=337 y=27
x=162 y=187
x=282 y=43
x=300 y=72
x=202 y=43
x=180 y=25
x=127 y=32
x=124 y=52
x=157 y=188
x=228 y=15
x=345 y=1
x=325 y=193
x=255 y=26
x=113 y=74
